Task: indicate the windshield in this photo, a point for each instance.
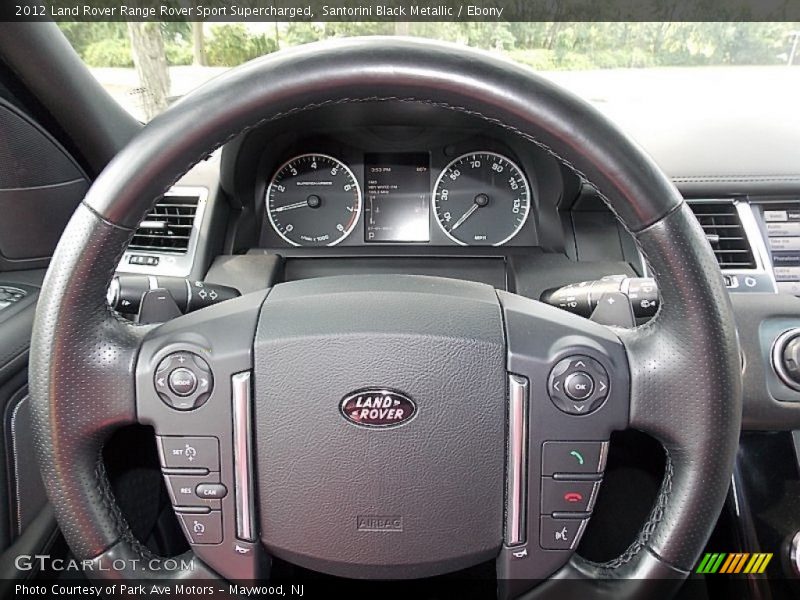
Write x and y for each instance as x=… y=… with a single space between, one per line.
x=617 y=66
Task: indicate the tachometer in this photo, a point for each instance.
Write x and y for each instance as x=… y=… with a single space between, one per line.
x=313 y=200
x=481 y=199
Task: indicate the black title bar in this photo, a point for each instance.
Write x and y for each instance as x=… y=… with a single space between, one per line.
x=400 y=10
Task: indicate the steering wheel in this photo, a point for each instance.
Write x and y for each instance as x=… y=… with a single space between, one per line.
x=459 y=473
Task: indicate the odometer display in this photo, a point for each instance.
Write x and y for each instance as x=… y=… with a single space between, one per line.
x=313 y=200
x=481 y=199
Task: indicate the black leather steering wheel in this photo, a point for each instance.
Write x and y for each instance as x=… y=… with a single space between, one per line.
x=471 y=360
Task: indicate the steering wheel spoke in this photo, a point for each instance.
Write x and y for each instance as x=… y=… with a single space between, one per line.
x=571 y=375
x=194 y=382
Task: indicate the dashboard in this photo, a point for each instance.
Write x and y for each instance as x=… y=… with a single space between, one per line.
x=399 y=187
x=395 y=159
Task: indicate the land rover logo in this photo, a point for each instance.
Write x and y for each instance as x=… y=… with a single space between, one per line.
x=379 y=408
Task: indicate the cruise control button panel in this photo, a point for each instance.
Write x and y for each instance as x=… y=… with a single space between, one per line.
x=578 y=385
x=183 y=381
x=192 y=473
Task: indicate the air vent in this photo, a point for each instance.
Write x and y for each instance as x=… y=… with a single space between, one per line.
x=724 y=231
x=168 y=226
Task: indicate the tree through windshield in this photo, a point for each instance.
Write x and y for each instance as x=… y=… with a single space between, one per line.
x=146 y=65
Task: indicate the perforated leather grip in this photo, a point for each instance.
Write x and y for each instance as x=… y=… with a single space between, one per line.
x=81 y=382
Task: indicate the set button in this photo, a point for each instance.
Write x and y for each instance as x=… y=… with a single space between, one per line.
x=184 y=381
x=578 y=385
x=178 y=452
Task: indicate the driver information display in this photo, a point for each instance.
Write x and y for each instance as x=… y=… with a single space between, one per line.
x=397 y=193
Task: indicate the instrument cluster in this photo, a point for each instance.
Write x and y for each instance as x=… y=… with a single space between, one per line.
x=476 y=196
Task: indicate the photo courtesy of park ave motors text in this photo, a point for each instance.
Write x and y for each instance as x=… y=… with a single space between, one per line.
x=481 y=300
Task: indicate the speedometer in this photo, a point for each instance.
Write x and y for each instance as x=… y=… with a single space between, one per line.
x=482 y=199
x=313 y=200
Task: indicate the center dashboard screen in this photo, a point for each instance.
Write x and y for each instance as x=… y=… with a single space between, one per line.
x=397 y=193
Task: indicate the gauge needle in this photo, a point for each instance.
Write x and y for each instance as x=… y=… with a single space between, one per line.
x=291 y=206
x=464 y=217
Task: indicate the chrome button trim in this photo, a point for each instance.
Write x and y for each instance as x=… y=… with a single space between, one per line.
x=517 y=467
x=243 y=456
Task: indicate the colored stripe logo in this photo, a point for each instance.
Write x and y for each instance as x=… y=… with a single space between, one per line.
x=740 y=562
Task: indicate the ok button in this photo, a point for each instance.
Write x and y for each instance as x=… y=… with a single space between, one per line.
x=182 y=382
x=579 y=386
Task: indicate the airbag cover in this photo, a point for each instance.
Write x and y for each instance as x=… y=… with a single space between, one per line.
x=418 y=498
